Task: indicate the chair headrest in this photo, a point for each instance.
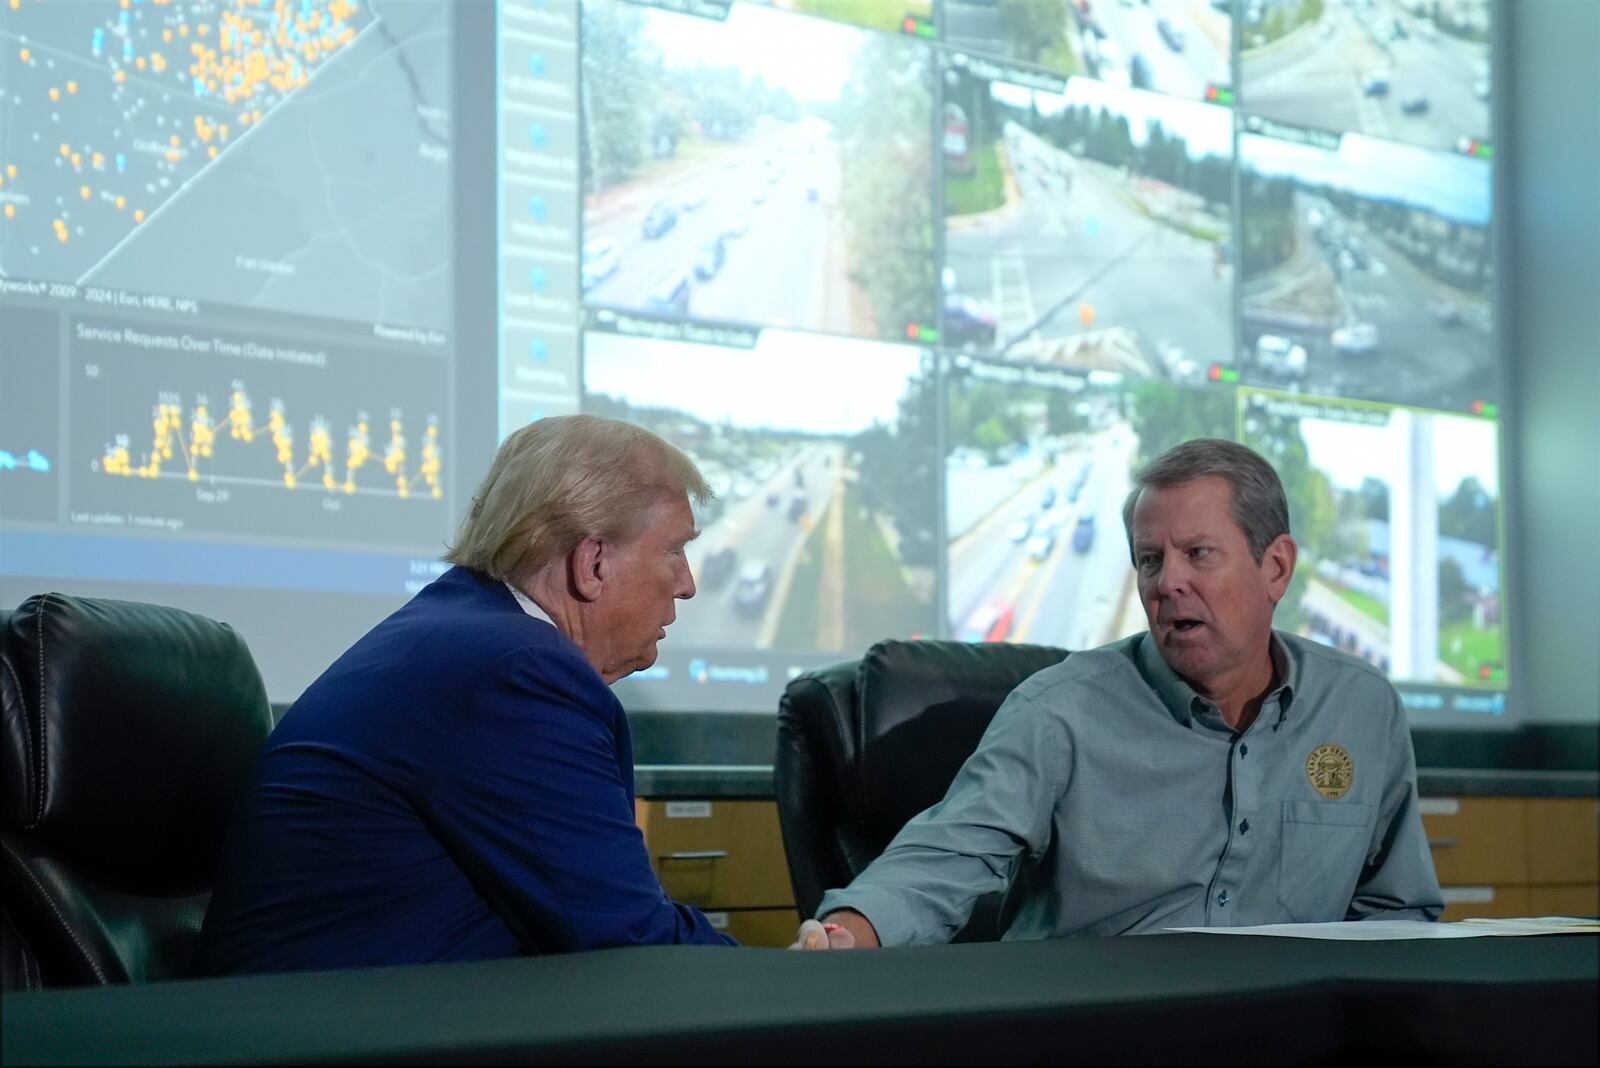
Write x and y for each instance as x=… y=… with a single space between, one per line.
x=924 y=705
x=129 y=730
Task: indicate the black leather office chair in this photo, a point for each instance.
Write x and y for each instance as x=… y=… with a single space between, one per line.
x=866 y=744
x=129 y=730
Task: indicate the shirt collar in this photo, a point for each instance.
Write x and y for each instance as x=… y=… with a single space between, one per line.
x=529 y=606
x=1184 y=703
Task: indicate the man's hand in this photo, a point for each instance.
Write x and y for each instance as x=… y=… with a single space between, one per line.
x=814 y=934
x=845 y=929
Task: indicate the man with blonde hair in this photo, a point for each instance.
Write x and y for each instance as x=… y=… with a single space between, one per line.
x=459 y=784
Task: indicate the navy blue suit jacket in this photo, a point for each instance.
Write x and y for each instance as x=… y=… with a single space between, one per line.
x=458 y=785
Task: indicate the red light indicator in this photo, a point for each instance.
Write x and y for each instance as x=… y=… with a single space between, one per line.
x=912 y=331
x=1477 y=407
x=909 y=25
x=1215 y=373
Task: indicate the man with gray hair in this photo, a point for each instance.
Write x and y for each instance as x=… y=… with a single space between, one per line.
x=459 y=784
x=1208 y=772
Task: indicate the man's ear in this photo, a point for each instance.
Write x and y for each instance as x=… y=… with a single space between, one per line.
x=1278 y=561
x=585 y=565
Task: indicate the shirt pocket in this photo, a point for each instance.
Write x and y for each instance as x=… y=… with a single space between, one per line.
x=1323 y=849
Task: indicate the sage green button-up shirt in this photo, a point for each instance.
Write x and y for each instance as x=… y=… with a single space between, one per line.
x=1107 y=797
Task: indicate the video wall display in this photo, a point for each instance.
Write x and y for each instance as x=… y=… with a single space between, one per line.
x=918 y=285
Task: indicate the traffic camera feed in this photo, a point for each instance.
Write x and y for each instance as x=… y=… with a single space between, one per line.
x=1083 y=293
x=822 y=533
x=1416 y=71
x=1398 y=521
x=1089 y=226
x=767 y=168
x=1367 y=269
x=1178 y=47
x=1037 y=467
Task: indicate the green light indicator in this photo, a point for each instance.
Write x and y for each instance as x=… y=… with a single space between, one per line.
x=1491 y=410
x=1230 y=374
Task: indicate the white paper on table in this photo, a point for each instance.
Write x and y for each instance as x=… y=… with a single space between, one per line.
x=1389 y=930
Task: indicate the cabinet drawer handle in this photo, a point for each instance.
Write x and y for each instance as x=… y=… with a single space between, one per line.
x=697 y=854
x=1443 y=843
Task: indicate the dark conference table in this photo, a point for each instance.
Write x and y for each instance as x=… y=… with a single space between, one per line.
x=1168 y=998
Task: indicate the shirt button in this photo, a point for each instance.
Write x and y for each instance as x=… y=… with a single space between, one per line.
x=1244 y=827
x=1222 y=899
x=1244 y=750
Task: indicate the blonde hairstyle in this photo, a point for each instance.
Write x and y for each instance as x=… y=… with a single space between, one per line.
x=562 y=479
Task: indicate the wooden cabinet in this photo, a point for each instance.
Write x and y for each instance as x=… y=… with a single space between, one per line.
x=1514 y=856
x=1495 y=856
x=1564 y=841
x=1477 y=841
x=725 y=858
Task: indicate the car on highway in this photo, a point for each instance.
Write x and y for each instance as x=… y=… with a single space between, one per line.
x=1170 y=33
x=1076 y=488
x=1138 y=71
x=708 y=261
x=1083 y=534
x=1357 y=339
x=1019 y=529
x=1480 y=88
x=990 y=623
x=1048 y=497
x=797 y=505
x=1414 y=103
x=659 y=219
x=670 y=296
x=693 y=201
x=759 y=196
x=1278 y=356
x=1375 y=83
x=738 y=225
x=1040 y=544
x=968 y=322
x=602 y=258
x=717 y=567
x=1446 y=313
x=755 y=586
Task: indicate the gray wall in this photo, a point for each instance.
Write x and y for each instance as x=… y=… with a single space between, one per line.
x=1549 y=157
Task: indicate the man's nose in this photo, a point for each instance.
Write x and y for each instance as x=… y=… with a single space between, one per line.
x=685 y=588
x=1174 y=577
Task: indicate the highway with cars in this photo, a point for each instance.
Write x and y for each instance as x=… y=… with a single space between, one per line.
x=1427 y=343
x=1054 y=572
x=768 y=514
x=1178 y=47
x=1076 y=238
x=1372 y=68
x=753 y=235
